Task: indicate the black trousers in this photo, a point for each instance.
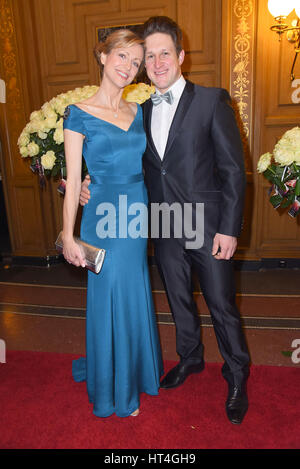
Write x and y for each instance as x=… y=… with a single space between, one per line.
x=216 y=277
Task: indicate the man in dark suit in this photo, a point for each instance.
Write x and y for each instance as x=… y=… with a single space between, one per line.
x=194 y=156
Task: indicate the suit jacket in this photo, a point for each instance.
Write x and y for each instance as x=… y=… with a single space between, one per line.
x=203 y=160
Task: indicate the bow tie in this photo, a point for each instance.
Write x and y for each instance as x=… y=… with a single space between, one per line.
x=158 y=98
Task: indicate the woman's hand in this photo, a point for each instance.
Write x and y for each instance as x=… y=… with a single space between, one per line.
x=72 y=253
x=85 y=193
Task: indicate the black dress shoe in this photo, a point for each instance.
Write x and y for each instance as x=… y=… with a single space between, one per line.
x=236 y=404
x=179 y=373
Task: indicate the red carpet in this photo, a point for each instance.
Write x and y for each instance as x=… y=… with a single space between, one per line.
x=41 y=407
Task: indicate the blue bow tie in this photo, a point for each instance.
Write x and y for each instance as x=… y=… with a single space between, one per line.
x=158 y=98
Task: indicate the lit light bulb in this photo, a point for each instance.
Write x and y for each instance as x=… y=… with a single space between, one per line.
x=280 y=7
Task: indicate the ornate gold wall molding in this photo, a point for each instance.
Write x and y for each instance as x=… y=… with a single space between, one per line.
x=242 y=56
x=8 y=53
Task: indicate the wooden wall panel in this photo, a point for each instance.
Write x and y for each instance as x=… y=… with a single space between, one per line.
x=191 y=14
x=201 y=25
x=66 y=53
x=277 y=234
x=26 y=226
x=286 y=59
x=26 y=201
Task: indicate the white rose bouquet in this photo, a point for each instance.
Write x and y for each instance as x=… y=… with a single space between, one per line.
x=42 y=139
x=282 y=169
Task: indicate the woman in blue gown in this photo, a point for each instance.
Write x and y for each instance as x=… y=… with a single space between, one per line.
x=123 y=356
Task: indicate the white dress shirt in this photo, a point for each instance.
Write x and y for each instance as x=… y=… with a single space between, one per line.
x=162 y=117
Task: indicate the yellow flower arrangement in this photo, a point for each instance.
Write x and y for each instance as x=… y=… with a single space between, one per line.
x=138 y=93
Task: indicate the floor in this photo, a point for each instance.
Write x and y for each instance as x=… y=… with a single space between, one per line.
x=43 y=308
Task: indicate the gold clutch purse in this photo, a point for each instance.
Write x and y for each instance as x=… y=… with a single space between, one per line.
x=94 y=256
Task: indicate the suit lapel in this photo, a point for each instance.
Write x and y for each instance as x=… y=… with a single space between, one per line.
x=183 y=105
x=148 y=106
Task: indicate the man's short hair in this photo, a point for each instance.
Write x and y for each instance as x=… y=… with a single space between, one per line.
x=163 y=24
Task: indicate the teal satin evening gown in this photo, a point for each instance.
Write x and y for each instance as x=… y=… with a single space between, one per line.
x=123 y=355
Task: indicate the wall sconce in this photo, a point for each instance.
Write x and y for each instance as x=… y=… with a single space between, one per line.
x=280 y=9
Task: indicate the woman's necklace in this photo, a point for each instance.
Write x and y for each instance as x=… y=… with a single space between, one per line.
x=115 y=111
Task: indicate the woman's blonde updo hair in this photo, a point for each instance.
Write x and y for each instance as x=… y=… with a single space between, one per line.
x=116 y=40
